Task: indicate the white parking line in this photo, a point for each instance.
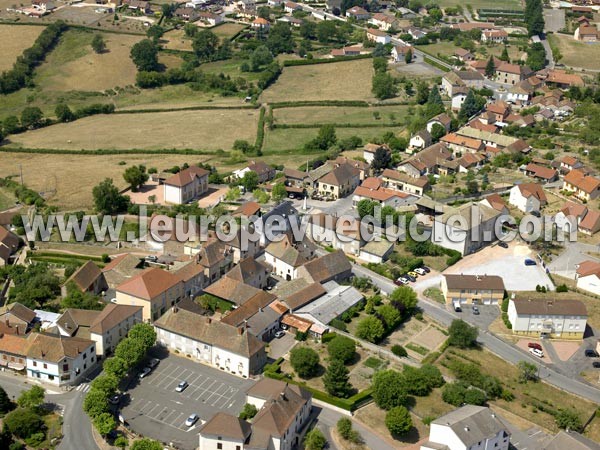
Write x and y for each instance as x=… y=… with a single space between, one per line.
x=206 y=389
x=177 y=419
x=149 y=403
x=149 y=413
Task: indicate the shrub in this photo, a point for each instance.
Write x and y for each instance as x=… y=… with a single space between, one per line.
x=248 y=412
x=339 y=324
x=328 y=337
x=305 y=361
x=398 y=421
x=398 y=350
x=370 y=328
x=342 y=348
x=23 y=422
x=562 y=288
x=389 y=389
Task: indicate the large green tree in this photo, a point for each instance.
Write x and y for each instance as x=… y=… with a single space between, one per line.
x=32 y=398
x=205 y=45
x=144 y=333
x=146 y=444
x=336 y=379
x=6 y=404
x=405 y=297
x=31 y=117
x=98 y=44
x=136 y=176
x=144 y=55
x=398 y=421
x=104 y=423
x=389 y=389
x=315 y=440
x=384 y=86
x=107 y=198
x=370 y=329
x=305 y=361
x=462 y=335
x=24 y=422
x=342 y=348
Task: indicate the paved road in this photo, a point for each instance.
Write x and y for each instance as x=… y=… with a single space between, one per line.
x=573 y=254
x=554 y=20
x=76 y=424
x=496 y=345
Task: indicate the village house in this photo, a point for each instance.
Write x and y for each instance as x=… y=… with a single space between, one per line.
x=547 y=317
x=442 y=119
x=292 y=21
x=586 y=33
x=463 y=55
x=121 y=268
x=494 y=36
x=13 y=350
x=333 y=266
x=591 y=223
x=420 y=140
x=496 y=202
x=286 y=256
x=560 y=78
x=399 y=53
x=468 y=26
x=87 y=278
x=584 y=187
x=154 y=289
x=340 y=182
x=568 y=163
x=338 y=233
x=378 y=36
x=468 y=427
x=9 y=244
x=587 y=276
x=209 y=18
x=363 y=167
x=17 y=315
x=187 y=14
x=331 y=305
x=403 y=182
x=59 y=360
x=382 y=21
x=186 y=185
x=427 y=161
x=569 y=439
x=106 y=328
x=541 y=173
x=570 y=216
x=508 y=73
x=474 y=230
x=264 y=171
x=261 y=24
x=376 y=251
x=296 y=178
x=346 y=51
x=451 y=81
x=358 y=13
x=494 y=140
x=369 y=151
x=528 y=197
x=458 y=97
x=233 y=291
x=462 y=144
x=260 y=315
x=281 y=219
x=473 y=289
x=250 y=272
x=139 y=5
x=372 y=189
x=211 y=342
x=290 y=7
x=283 y=413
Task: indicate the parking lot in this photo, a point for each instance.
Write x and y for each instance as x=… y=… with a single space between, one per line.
x=153 y=407
x=507 y=263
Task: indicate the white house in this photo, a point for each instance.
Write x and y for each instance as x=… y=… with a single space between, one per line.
x=588 y=276
x=60 y=360
x=283 y=413
x=468 y=428
x=285 y=256
x=547 y=318
x=420 y=140
x=399 y=52
x=527 y=197
x=378 y=36
x=211 y=342
x=290 y=7
x=186 y=185
x=570 y=216
x=370 y=149
x=342 y=234
x=376 y=252
x=382 y=21
x=458 y=98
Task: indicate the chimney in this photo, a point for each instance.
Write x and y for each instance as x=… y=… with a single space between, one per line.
x=240 y=330
x=282 y=395
x=467 y=429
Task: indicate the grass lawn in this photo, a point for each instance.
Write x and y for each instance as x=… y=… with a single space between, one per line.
x=74 y=66
x=195 y=130
x=527 y=396
x=7 y=199
x=227 y=30
x=13 y=40
x=333 y=114
x=74 y=176
x=477 y=4
x=292 y=139
x=447 y=48
x=574 y=53
x=374 y=417
x=431 y=406
x=229 y=67
x=176 y=40
x=347 y=80
x=435 y=294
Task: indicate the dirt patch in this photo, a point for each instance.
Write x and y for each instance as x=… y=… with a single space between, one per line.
x=13 y=40
x=142 y=196
x=564 y=350
x=214 y=197
x=430 y=338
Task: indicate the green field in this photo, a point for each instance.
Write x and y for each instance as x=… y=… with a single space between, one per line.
x=333 y=114
x=477 y=4
x=7 y=200
x=292 y=139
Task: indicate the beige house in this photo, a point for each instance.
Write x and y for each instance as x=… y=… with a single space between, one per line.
x=473 y=289
x=154 y=289
x=340 y=182
x=584 y=187
x=186 y=185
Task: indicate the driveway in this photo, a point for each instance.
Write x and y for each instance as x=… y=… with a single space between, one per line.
x=507 y=263
x=573 y=254
x=279 y=347
x=153 y=408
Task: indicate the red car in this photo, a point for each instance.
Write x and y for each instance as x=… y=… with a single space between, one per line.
x=535 y=345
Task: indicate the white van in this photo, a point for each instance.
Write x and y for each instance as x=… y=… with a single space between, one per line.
x=536 y=352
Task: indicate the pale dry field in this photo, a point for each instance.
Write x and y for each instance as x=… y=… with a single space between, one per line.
x=339 y=114
x=348 y=80
x=72 y=177
x=177 y=40
x=576 y=54
x=202 y=130
x=74 y=66
x=227 y=30
x=13 y=40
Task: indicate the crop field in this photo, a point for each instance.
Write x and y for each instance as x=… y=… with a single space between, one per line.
x=292 y=139
x=74 y=66
x=332 y=114
x=347 y=80
x=192 y=129
x=13 y=40
x=574 y=53
x=69 y=179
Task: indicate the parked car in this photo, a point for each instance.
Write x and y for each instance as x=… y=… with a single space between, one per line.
x=426 y=269
x=284 y=326
x=401 y=281
x=153 y=363
x=279 y=334
x=115 y=399
x=457 y=309
x=530 y=262
x=596 y=364
x=409 y=277
x=191 y=420
x=535 y=345
x=475 y=310
x=420 y=271
x=502 y=244
x=181 y=386
x=591 y=353
x=413 y=274
x=152 y=258
x=145 y=371
x=536 y=352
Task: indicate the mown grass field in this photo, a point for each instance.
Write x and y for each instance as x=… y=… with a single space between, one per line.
x=476 y=4
x=74 y=66
x=332 y=114
x=176 y=40
x=574 y=53
x=7 y=200
x=348 y=80
x=13 y=40
x=446 y=48
x=70 y=178
x=291 y=140
x=227 y=30
x=192 y=129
